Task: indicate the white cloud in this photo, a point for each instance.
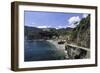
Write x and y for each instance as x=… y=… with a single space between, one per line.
x=71 y=26
x=58 y=27
x=38 y=26
x=43 y=26
x=85 y=15
x=73 y=21
x=31 y=25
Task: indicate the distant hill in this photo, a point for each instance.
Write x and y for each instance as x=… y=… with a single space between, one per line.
x=31 y=32
x=38 y=33
x=32 y=29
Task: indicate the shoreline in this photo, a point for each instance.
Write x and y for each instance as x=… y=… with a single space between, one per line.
x=59 y=46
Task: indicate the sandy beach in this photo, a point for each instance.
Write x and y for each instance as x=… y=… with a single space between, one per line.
x=59 y=46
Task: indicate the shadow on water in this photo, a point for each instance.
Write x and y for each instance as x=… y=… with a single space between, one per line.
x=41 y=50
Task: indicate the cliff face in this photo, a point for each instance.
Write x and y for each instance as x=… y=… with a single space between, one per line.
x=81 y=34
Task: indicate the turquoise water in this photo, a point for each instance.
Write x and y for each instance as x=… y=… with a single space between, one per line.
x=41 y=50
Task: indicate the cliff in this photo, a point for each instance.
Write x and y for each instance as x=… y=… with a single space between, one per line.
x=81 y=34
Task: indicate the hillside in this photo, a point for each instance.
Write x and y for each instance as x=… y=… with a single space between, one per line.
x=31 y=32
x=81 y=34
x=45 y=33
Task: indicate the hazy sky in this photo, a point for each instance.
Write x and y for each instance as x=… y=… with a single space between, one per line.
x=51 y=19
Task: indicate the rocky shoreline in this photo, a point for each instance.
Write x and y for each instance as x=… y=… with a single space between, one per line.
x=72 y=52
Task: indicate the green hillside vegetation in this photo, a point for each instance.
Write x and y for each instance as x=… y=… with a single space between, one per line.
x=46 y=33
x=81 y=34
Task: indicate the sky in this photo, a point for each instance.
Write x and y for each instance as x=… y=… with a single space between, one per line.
x=56 y=20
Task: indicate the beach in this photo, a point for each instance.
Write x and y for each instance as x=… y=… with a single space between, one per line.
x=59 y=46
x=55 y=42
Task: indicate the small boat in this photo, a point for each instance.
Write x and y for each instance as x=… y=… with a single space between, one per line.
x=61 y=42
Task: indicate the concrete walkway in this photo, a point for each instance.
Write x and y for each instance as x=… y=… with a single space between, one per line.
x=87 y=49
